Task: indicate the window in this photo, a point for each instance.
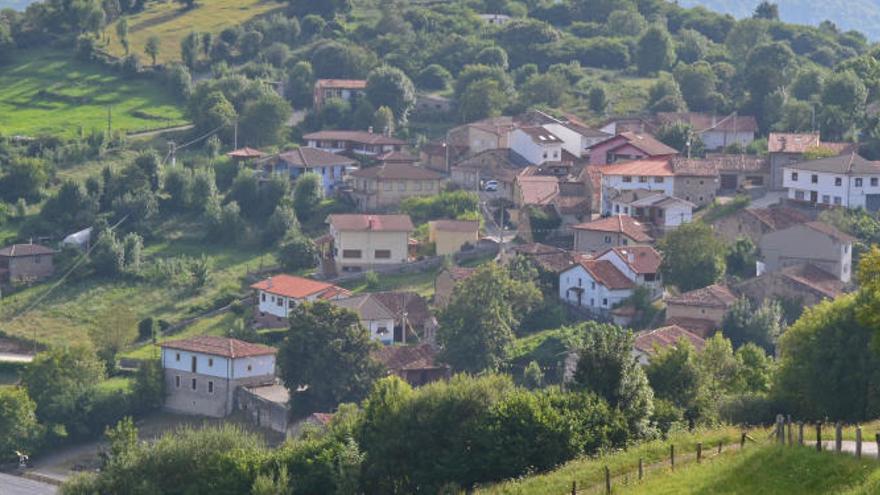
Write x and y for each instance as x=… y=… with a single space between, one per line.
x=250 y=368
x=279 y=302
x=382 y=330
x=659 y=180
x=210 y=387
x=814 y=179
x=794 y=176
x=858 y=182
x=177 y=357
x=837 y=200
x=701 y=183
x=627 y=179
x=650 y=277
x=580 y=282
x=592 y=302
x=799 y=195
x=417 y=186
x=177 y=381
x=826 y=199
x=604 y=301
x=401 y=186
x=263 y=296
x=382 y=254
x=37 y=259
x=194 y=385
x=210 y=362
x=555 y=154
x=593 y=285
x=193 y=364
x=838 y=181
x=642 y=178
x=616 y=208
x=388 y=186
x=544 y=155
x=291 y=303
x=607 y=239
x=625 y=242
x=351 y=253
x=873 y=182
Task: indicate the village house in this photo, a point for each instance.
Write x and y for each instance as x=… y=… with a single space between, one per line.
x=619 y=125
x=595 y=285
x=786 y=149
x=413 y=319
x=754 y=223
x=535 y=190
x=487 y=134
x=700 y=311
x=415 y=364
x=445 y=282
x=649 y=342
x=844 y=180
x=330 y=167
x=803 y=285
x=385 y=186
x=473 y=172
x=353 y=143
x=550 y=261
x=245 y=155
x=735 y=172
x=26 y=263
x=811 y=242
x=450 y=236
x=641 y=264
x=577 y=138
x=495 y=19
x=363 y=242
x=628 y=146
x=396 y=157
x=536 y=145
x=202 y=373
x=267 y=406
x=697 y=186
x=656 y=208
x=715 y=132
x=374 y=316
x=439 y=156
x=604 y=233
x=277 y=295
x=345 y=89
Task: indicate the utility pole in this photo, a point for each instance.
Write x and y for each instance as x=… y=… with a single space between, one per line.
x=109 y=120
x=172 y=150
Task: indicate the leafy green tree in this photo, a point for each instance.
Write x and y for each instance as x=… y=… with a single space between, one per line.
x=300 y=84
x=122 y=33
x=533 y=376
x=328 y=10
x=189 y=50
x=545 y=89
x=766 y=69
x=698 y=86
x=680 y=136
x=480 y=100
x=264 y=120
x=477 y=326
x=23 y=177
x=178 y=184
x=761 y=325
x=108 y=254
x=267 y=484
x=19 y=428
x=280 y=222
x=70 y=208
x=62 y=382
x=321 y=337
x=434 y=77
x=741 y=258
x=808 y=83
x=665 y=95
x=390 y=87
x=827 y=367
x=625 y=22
x=744 y=36
x=296 y=251
x=719 y=368
x=692 y=46
x=332 y=59
x=675 y=377
x=152 y=48
x=692 y=257
x=655 y=51
x=767 y=10
x=598 y=99
x=306 y=196
x=383 y=120
x=115 y=328
x=493 y=56
x=607 y=368
x=846 y=91
x=755 y=369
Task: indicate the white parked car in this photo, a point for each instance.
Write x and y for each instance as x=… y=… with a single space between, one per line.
x=491 y=186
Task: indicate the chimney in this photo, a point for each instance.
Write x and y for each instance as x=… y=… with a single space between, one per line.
x=269 y=283
x=370 y=129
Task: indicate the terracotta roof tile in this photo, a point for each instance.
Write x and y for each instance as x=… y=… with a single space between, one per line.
x=245 y=153
x=623 y=224
x=649 y=341
x=220 y=346
x=538 y=189
x=648 y=167
x=361 y=137
x=830 y=231
x=713 y=296
x=375 y=223
x=25 y=250
x=408 y=357
x=607 y=274
x=313 y=157
x=814 y=278
x=697 y=326
x=297 y=287
x=648 y=144
x=777 y=218
x=642 y=259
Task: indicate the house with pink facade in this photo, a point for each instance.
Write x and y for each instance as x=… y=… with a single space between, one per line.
x=628 y=146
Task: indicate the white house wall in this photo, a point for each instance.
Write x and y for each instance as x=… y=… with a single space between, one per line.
x=850 y=195
x=221 y=367
x=599 y=298
x=525 y=146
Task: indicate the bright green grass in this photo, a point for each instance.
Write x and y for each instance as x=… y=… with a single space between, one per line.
x=172 y=23
x=116 y=384
x=421 y=283
x=215 y=325
x=47 y=91
x=591 y=471
x=69 y=312
x=769 y=470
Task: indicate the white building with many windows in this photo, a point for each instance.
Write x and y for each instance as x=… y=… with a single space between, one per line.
x=203 y=372
x=276 y=296
x=847 y=180
x=594 y=285
x=536 y=144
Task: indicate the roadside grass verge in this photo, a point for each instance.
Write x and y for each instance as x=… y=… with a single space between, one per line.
x=46 y=91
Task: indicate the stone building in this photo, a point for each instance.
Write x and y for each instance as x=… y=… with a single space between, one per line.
x=700 y=311
x=755 y=223
x=26 y=262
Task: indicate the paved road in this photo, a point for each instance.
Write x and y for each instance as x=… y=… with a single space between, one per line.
x=14 y=485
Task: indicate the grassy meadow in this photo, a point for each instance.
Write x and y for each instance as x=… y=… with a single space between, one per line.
x=46 y=91
x=171 y=23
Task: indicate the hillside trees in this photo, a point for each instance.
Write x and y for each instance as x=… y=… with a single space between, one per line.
x=390 y=87
x=656 y=50
x=19 y=428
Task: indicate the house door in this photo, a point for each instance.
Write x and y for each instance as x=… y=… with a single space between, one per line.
x=398 y=333
x=814 y=197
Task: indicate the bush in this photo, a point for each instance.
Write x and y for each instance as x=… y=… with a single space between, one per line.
x=297 y=252
x=146 y=328
x=750 y=409
x=372 y=280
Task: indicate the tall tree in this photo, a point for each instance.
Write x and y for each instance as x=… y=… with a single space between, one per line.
x=122 y=33
x=19 y=428
x=325 y=337
x=152 y=48
x=390 y=87
x=477 y=327
x=189 y=50
x=767 y=10
x=655 y=50
x=692 y=257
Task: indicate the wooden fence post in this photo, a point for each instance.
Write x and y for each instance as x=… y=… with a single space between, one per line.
x=719 y=447
x=642 y=463
x=742 y=440
x=699 y=451
x=877 y=439
x=607 y=480
x=780 y=429
x=672 y=456
x=574 y=487
x=801 y=433
x=790 y=432
x=819 y=436
x=858 y=442
x=838 y=437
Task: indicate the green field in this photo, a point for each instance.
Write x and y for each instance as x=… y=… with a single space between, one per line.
x=171 y=23
x=47 y=91
x=769 y=470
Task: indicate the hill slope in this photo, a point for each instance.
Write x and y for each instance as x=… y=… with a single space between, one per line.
x=861 y=15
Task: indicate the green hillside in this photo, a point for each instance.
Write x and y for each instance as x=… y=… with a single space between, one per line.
x=861 y=15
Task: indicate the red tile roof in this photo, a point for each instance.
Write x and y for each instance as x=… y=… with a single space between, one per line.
x=361 y=137
x=220 y=346
x=649 y=341
x=341 y=83
x=25 y=250
x=642 y=259
x=313 y=157
x=622 y=224
x=245 y=153
x=713 y=296
x=538 y=189
x=698 y=326
x=375 y=223
x=782 y=142
x=814 y=278
x=649 y=167
x=298 y=287
x=605 y=273
x=648 y=144
x=777 y=218
x=408 y=357
x=702 y=122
